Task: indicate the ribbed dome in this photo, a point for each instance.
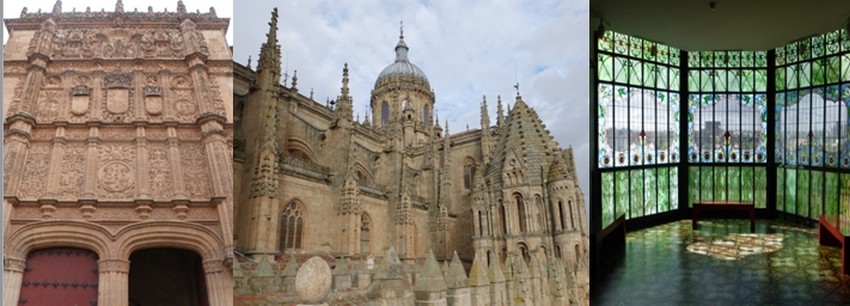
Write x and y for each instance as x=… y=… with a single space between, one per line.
x=402 y=67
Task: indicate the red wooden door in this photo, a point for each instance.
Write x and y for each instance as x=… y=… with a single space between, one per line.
x=60 y=276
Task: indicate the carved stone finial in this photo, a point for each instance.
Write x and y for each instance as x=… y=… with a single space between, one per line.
x=212 y=11
x=57 y=8
x=119 y=6
x=23 y=11
x=181 y=8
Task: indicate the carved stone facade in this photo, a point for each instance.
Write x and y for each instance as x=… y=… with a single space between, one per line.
x=399 y=180
x=118 y=138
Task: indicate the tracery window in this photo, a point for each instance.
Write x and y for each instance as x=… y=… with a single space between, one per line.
x=426 y=114
x=292 y=226
x=468 y=172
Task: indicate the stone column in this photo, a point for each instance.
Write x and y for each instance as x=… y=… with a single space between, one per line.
x=16 y=143
x=219 y=282
x=142 y=172
x=57 y=154
x=13 y=274
x=90 y=180
x=113 y=282
x=176 y=168
x=221 y=172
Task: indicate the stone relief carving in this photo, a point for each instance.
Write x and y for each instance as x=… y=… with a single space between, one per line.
x=116 y=171
x=184 y=106
x=156 y=133
x=196 y=176
x=15 y=104
x=47 y=107
x=159 y=172
x=34 y=182
x=153 y=100
x=80 y=100
x=118 y=96
x=117 y=133
x=72 y=171
x=188 y=134
x=122 y=43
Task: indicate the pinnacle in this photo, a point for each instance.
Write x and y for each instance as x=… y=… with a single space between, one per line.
x=431 y=278
x=478 y=272
x=264 y=269
x=455 y=276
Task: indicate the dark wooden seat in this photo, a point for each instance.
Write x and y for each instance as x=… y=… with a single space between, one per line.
x=834 y=231
x=724 y=206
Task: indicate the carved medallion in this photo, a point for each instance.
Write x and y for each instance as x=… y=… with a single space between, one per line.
x=115 y=176
x=80 y=99
x=153 y=100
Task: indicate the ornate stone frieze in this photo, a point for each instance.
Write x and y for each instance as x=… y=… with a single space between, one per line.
x=85 y=43
x=196 y=175
x=34 y=182
x=116 y=174
x=72 y=172
x=160 y=179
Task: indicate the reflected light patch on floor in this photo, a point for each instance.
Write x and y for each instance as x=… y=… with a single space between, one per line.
x=736 y=246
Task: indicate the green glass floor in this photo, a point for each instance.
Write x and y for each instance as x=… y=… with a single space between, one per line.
x=721 y=263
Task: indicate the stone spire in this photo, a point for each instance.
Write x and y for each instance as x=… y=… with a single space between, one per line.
x=500 y=115
x=344 y=104
x=268 y=66
x=485 y=131
x=119 y=6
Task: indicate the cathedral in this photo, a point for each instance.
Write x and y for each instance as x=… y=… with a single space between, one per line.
x=312 y=179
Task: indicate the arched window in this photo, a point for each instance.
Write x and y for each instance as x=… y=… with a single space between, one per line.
x=578 y=253
x=365 y=223
x=572 y=218
x=523 y=249
x=385 y=112
x=520 y=206
x=538 y=212
x=468 y=172
x=426 y=114
x=558 y=251
x=561 y=214
x=291 y=226
x=480 y=224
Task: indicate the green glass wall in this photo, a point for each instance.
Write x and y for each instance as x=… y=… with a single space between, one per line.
x=813 y=143
x=666 y=117
x=638 y=122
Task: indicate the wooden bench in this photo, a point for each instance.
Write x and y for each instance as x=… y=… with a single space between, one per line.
x=724 y=206
x=835 y=231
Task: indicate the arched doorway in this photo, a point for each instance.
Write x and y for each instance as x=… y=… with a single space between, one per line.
x=167 y=276
x=60 y=276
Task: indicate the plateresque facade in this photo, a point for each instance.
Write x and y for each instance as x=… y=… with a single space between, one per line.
x=118 y=177
x=311 y=179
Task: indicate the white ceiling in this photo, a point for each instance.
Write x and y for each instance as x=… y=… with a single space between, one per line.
x=733 y=25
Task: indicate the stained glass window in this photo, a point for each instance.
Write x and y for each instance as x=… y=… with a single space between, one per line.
x=638 y=123
x=812 y=139
x=291 y=226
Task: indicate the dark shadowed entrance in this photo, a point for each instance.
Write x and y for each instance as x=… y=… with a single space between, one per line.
x=164 y=276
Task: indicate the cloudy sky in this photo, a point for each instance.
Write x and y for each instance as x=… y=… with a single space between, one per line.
x=223 y=8
x=467 y=48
